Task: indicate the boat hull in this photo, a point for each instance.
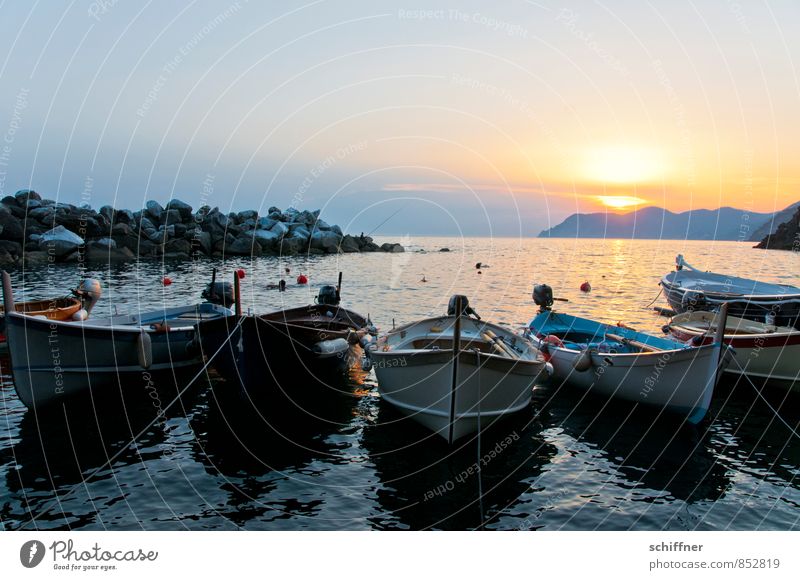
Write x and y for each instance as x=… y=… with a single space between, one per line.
x=773 y=357
x=419 y=384
x=667 y=379
x=744 y=297
x=278 y=353
x=54 y=360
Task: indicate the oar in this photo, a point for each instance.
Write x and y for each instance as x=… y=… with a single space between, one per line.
x=499 y=344
x=644 y=347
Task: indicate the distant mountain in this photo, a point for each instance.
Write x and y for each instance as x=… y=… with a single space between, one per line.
x=725 y=223
x=771 y=225
x=786 y=235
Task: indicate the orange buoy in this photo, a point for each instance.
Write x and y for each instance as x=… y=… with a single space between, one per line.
x=586 y=287
x=166 y=280
x=302 y=279
x=240 y=273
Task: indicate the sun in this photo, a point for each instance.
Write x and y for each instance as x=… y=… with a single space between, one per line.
x=622 y=165
x=620 y=201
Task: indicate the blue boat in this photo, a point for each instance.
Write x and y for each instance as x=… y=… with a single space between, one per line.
x=620 y=362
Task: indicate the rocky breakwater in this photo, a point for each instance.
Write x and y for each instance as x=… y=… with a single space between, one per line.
x=35 y=231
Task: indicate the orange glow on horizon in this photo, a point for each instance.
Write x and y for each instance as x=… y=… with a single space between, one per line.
x=620 y=201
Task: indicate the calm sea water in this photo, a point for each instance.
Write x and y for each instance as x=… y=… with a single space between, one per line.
x=570 y=462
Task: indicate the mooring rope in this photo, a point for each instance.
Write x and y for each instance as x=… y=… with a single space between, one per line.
x=656 y=298
x=58 y=499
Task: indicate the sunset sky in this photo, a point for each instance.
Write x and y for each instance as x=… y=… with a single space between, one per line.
x=492 y=118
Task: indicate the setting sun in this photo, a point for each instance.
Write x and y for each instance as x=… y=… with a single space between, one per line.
x=620 y=201
x=622 y=165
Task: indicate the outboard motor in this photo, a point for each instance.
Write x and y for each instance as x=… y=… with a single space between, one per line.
x=543 y=296
x=220 y=293
x=328 y=295
x=89 y=292
x=694 y=300
x=467 y=310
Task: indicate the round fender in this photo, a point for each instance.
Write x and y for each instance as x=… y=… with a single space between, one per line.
x=583 y=362
x=144 y=349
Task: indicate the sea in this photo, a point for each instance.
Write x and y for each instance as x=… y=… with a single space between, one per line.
x=571 y=461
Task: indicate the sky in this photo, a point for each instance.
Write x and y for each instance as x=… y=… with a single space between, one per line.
x=486 y=119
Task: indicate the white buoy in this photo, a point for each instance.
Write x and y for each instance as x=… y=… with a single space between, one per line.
x=144 y=349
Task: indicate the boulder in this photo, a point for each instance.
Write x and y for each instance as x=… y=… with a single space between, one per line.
x=104 y=243
x=121 y=229
x=348 y=244
x=248 y=224
x=265 y=223
x=45 y=215
x=180 y=230
x=323 y=226
x=182 y=207
x=35 y=258
x=23 y=196
x=60 y=241
x=166 y=232
x=10 y=226
x=13 y=248
x=124 y=216
x=7 y=259
x=290 y=215
x=444 y=250
x=327 y=241
x=33 y=204
x=249 y=214
x=337 y=229
x=392 y=248
x=243 y=246
x=170 y=217
x=202 y=241
x=178 y=246
x=268 y=240
x=291 y=245
x=280 y=228
x=107 y=212
x=154 y=210
x=299 y=231
x=308 y=218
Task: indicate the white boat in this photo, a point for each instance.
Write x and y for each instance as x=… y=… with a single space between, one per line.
x=688 y=288
x=54 y=359
x=762 y=351
x=456 y=374
x=620 y=362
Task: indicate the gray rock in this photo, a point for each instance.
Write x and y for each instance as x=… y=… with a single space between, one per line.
x=43 y=214
x=35 y=258
x=323 y=226
x=10 y=226
x=124 y=216
x=7 y=259
x=248 y=224
x=121 y=230
x=290 y=246
x=183 y=208
x=243 y=246
x=290 y=215
x=392 y=248
x=249 y=214
x=202 y=242
x=327 y=241
x=24 y=195
x=107 y=212
x=337 y=229
x=13 y=248
x=154 y=210
x=180 y=230
x=349 y=245
x=308 y=218
x=171 y=216
x=280 y=228
x=268 y=240
x=265 y=223
x=276 y=215
x=166 y=231
x=178 y=246
x=105 y=242
x=33 y=204
x=444 y=250
x=62 y=234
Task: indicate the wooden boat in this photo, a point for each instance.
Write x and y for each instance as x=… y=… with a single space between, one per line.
x=762 y=351
x=54 y=359
x=620 y=362
x=456 y=374
x=56 y=309
x=287 y=347
x=688 y=288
